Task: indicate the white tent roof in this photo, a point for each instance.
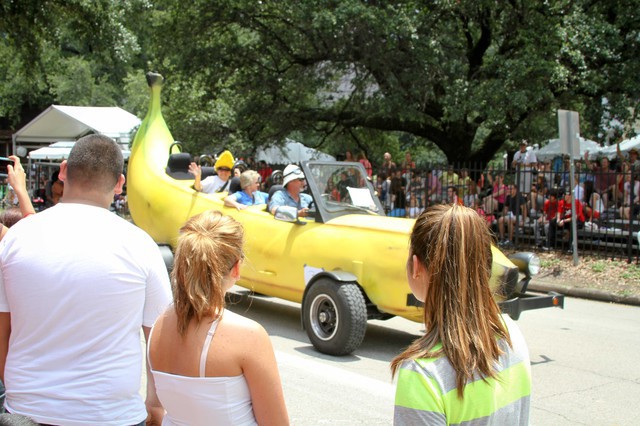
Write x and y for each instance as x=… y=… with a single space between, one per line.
x=553 y=149
x=291 y=152
x=59 y=122
x=625 y=146
x=58 y=151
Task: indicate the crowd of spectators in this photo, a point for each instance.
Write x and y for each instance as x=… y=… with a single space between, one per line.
x=529 y=192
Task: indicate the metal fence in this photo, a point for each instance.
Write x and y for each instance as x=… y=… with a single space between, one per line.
x=520 y=204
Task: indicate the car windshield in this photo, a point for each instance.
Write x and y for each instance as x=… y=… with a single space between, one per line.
x=342 y=188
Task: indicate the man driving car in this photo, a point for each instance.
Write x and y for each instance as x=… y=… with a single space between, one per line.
x=292 y=195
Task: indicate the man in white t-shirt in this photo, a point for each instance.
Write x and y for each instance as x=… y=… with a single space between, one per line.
x=524 y=160
x=78 y=283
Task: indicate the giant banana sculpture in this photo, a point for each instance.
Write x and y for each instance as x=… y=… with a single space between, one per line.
x=158 y=203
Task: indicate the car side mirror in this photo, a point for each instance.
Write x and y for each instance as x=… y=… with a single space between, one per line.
x=288 y=214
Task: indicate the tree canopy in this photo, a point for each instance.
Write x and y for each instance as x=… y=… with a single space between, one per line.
x=72 y=52
x=465 y=76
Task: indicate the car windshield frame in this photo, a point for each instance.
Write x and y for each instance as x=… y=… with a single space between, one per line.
x=360 y=195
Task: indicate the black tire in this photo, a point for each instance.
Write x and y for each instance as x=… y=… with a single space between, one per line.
x=334 y=316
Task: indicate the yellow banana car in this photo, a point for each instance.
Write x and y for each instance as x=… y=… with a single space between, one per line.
x=345 y=263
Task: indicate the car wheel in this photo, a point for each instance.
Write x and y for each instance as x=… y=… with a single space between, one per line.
x=334 y=316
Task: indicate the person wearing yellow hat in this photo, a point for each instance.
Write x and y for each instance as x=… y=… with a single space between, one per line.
x=218 y=182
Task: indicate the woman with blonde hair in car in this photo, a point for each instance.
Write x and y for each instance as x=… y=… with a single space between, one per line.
x=472 y=364
x=210 y=365
x=249 y=196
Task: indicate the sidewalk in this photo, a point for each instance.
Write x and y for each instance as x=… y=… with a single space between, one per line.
x=544 y=285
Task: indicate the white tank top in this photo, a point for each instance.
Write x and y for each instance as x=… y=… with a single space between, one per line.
x=203 y=400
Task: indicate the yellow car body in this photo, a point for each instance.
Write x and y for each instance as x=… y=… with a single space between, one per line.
x=349 y=253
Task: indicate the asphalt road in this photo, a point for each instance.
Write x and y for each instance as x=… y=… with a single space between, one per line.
x=584 y=365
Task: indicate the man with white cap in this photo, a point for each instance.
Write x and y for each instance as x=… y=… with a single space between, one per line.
x=524 y=157
x=217 y=183
x=524 y=160
x=292 y=195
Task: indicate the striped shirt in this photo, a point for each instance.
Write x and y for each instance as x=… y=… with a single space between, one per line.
x=426 y=392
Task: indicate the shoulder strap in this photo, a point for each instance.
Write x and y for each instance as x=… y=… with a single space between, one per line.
x=223 y=187
x=148 y=348
x=205 y=347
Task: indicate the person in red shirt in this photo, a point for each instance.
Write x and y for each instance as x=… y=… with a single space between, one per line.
x=265 y=171
x=564 y=218
x=549 y=212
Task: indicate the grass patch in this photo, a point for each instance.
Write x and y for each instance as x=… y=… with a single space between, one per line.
x=632 y=272
x=549 y=263
x=598 y=267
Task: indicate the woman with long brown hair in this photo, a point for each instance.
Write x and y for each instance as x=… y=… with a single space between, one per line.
x=472 y=364
x=210 y=365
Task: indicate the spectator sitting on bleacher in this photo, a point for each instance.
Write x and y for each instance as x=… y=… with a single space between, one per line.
x=545 y=169
x=463 y=184
x=471 y=193
x=564 y=218
x=218 y=182
x=434 y=188
x=414 y=185
x=605 y=179
x=515 y=206
x=592 y=202
x=448 y=178
x=564 y=175
x=538 y=193
x=494 y=202
x=414 y=209
x=630 y=208
x=489 y=218
x=452 y=196
x=549 y=212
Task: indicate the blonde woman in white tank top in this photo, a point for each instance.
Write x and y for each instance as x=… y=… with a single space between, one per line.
x=210 y=365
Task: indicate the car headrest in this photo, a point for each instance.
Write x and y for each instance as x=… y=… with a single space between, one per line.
x=234 y=185
x=274 y=189
x=178 y=166
x=276 y=177
x=208 y=171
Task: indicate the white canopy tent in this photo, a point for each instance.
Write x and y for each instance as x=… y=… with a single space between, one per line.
x=625 y=146
x=60 y=123
x=50 y=157
x=58 y=151
x=553 y=149
x=291 y=152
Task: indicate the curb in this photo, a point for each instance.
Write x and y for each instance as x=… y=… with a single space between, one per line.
x=540 y=285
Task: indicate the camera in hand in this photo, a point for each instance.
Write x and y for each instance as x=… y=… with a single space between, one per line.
x=4 y=162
